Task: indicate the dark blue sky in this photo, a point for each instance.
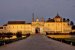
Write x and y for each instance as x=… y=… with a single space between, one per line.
x=23 y=9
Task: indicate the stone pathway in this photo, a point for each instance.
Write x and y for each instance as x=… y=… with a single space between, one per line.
x=37 y=42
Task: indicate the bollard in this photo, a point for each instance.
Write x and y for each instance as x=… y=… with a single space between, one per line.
x=71 y=43
x=61 y=40
x=4 y=43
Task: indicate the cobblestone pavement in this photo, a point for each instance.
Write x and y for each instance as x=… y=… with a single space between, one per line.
x=37 y=42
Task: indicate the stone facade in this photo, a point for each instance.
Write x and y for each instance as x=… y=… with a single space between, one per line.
x=55 y=26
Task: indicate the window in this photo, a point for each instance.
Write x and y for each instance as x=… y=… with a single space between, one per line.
x=9 y=27
x=12 y=26
x=17 y=27
x=48 y=24
x=21 y=27
x=5 y=28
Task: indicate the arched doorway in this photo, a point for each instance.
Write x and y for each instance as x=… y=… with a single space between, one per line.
x=37 y=30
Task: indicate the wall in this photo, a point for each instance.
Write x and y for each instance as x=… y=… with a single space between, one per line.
x=24 y=28
x=62 y=27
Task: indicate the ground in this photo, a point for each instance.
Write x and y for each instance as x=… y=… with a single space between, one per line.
x=37 y=42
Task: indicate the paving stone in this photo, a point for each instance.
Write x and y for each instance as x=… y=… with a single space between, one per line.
x=37 y=42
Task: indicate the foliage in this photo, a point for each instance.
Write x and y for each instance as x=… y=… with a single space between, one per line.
x=28 y=34
x=64 y=20
x=3 y=35
x=73 y=27
x=9 y=35
x=0 y=35
x=19 y=34
x=50 y=20
x=68 y=20
x=72 y=23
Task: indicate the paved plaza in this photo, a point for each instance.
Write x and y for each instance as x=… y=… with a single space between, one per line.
x=37 y=42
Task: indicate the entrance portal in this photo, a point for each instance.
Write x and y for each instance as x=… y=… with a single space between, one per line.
x=37 y=30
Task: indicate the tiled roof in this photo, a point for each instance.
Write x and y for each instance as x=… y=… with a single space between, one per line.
x=16 y=22
x=5 y=25
x=57 y=17
x=1 y=27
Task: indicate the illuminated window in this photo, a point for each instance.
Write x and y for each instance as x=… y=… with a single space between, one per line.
x=9 y=26
x=12 y=26
x=5 y=28
x=17 y=27
x=47 y=24
x=21 y=26
x=9 y=30
x=64 y=24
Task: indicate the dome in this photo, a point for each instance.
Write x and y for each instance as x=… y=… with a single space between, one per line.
x=57 y=16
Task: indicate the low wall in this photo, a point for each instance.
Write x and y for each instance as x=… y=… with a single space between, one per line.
x=59 y=36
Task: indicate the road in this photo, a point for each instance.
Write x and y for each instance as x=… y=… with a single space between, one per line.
x=37 y=42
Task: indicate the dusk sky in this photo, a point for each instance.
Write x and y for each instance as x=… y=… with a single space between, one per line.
x=23 y=9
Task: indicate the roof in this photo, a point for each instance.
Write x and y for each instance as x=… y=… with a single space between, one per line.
x=28 y=23
x=73 y=27
x=50 y=20
x=1 y=27
x=16 y=22
x=5 y=25
x=57 y=16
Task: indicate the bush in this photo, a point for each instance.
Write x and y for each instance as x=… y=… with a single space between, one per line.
x=9 y=35
x=73 y=43
x=0 y=35
x=8 y=41
x=3 y=35
x=28 y=34
x=1 y=43
x=19 y=34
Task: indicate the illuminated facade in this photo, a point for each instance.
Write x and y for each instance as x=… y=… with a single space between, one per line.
x=55 y=25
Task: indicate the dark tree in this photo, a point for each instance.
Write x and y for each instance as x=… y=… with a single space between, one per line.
x=68 y=20
x=9 y=35
x=73 y=27
x=48 y=19
x=19 y=34
x=72 y=23
x=28 y=34
x=0 y=35
x=3 y=35
x=64 y=20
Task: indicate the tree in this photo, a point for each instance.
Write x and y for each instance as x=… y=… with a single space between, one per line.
x=3 y=35
x=9 y=35
x=28 y=34
x=68 y=20
x=64 y=19
x=19 y=34
x=48 y=19
x=73 y=27
x=0 y=35
x=72 y=23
